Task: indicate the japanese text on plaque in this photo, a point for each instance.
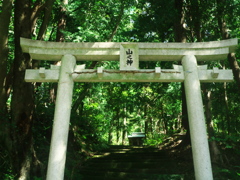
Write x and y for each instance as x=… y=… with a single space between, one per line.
x=129 y=57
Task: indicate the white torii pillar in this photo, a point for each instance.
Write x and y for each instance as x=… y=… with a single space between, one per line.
x=57 y=155
x=199 y=140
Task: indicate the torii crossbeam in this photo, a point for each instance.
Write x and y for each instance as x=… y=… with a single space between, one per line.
x=129 y=55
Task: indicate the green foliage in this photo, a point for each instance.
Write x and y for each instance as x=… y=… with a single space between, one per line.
x=154 y=141
x=85 y=24
x=223 y=173
x=104 y=113
x=37 y=178
x=227 y=141
x=7 y=175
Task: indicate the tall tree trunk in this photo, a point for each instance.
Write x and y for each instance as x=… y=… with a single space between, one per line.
x=4 y=29
x=47 y=16
x=195 y=15
x=151 y=126
x=110 y=130
x=180 y=36
x=146 y=121
x=24 y=158
x=179 y=31
x=124 y=124
x=228 y=116
x=35 y=11
x=185 y=123
x=222 y=24
x=59 y=38
x=214 y=149
x=62 y=22
x=124 y=127
x=38 y=7
x=118 y=129
x=22 y=105
x=235 y=68
x=5 y=83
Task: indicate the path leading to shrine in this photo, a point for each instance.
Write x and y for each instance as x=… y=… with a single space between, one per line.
x=132 y=162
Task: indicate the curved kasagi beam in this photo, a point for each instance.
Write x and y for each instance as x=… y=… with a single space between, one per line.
x=110 y=51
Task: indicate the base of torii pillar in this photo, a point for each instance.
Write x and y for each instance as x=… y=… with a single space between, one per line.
x=58 y=149
x=199 y=140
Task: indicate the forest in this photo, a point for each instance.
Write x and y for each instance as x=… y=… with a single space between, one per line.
x=105 y=114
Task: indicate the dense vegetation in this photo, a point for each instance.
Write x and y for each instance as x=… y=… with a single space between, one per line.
x=104 y=113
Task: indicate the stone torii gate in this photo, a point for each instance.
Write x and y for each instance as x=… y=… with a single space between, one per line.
x=129 y=55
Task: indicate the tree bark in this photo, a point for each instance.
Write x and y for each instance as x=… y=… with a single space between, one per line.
x=110 y=130
x=37 y=8
x=62 y=22
x=235 y=68
x=222 y=24
x=47 y=16
x=185 y=123
x=22 y=105
x=214 y=149
x=4 y=78
x=180 y=36
x=195 y=15
x=59 y=36
x=124 y=127
x=179 y=31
